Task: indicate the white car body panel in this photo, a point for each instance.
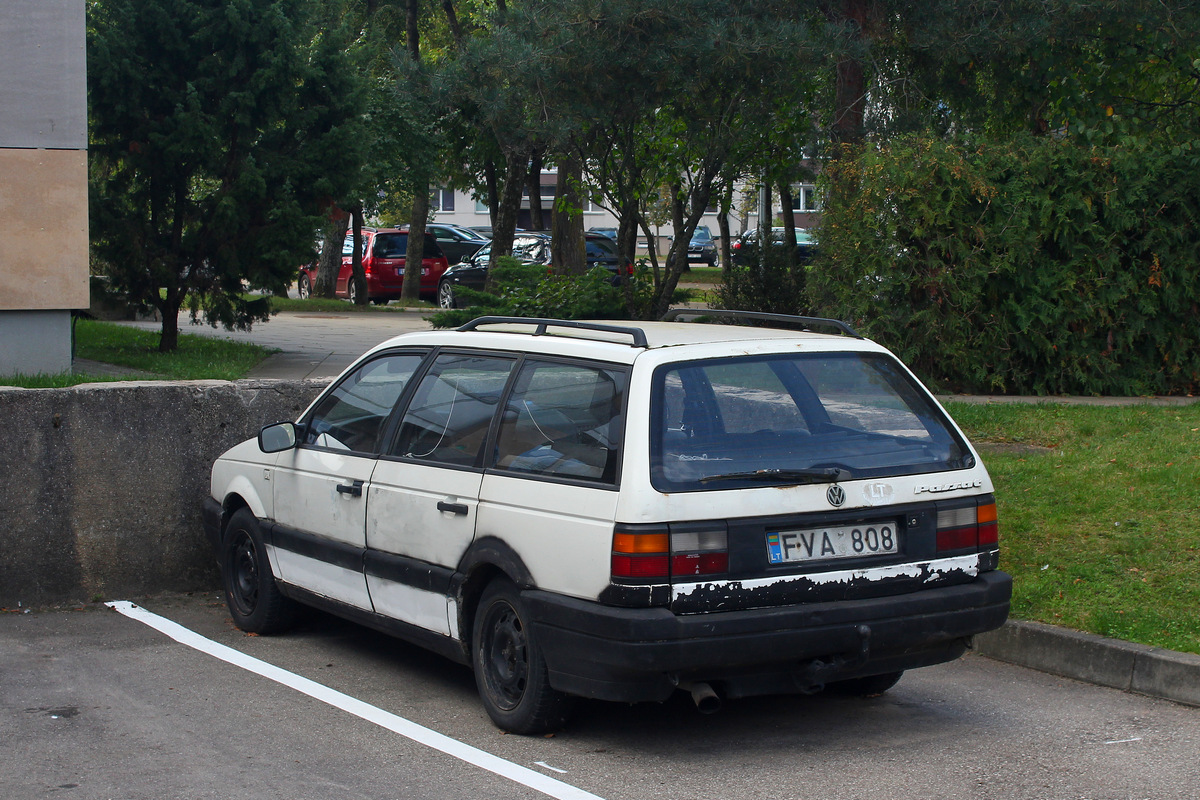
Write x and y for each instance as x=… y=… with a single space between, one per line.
x=563 y=532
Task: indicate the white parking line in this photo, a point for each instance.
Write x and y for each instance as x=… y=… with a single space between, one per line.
x=411 y=730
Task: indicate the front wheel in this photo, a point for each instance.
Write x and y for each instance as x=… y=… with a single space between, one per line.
x=254 y=600
x=445 y=295
x=510 y=672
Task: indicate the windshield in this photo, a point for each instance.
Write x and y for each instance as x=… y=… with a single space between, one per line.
x=792 y=419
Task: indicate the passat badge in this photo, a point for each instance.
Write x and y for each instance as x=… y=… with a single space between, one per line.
x=836 y=495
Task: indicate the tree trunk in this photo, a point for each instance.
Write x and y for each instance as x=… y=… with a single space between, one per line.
x=516 y=167
x=723 y=225
x=415 y=254
x=568 y=253
x=789 y=224
x=168 y=340
x=493 y=193
x=330 y=263
x=536 y=218
x=357 y=275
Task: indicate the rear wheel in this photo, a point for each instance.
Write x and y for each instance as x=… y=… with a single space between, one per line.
x=254 y=600
x=510 y=672
x=870 y=686
x=352 y=290
x=304 y=286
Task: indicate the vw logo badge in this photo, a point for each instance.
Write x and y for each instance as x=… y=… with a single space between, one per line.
x=836 y=495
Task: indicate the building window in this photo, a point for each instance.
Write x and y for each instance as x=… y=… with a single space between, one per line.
x=807 y=199
x=445 y=199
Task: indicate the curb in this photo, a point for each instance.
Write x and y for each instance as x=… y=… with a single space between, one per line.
x=1137 y=668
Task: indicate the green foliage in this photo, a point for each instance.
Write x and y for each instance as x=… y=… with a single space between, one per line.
x=220 y=130
x=1023 y=266
x=768 y=283
x=529 y=290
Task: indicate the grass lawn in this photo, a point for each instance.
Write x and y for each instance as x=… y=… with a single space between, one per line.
x=197 y=358
x=1099 y=515
x=344 y=306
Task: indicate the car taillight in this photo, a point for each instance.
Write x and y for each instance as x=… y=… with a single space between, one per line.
x=968 y=527
x=654 y=553
x=641 y=555
x=704 y=552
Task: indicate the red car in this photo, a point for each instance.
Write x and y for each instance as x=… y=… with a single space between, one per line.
x=384 y=251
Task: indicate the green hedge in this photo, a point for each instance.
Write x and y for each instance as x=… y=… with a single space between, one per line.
x=1032 y=267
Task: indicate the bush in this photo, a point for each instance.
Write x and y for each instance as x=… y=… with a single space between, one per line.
x=524 y=290
x=770 y=282
x=1035 y=267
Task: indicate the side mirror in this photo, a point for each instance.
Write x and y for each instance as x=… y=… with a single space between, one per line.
x=278 y=437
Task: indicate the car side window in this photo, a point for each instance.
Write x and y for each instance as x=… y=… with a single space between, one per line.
x=563 y=420
x=350 y=416
x=452 y=409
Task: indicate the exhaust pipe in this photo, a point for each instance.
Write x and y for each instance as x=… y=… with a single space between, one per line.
x=705 y=698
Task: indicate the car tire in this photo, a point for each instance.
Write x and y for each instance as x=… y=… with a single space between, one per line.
x=254 y=599
x=510 y=673
x=304 y=286
x=352 y=290
x=445 y=295
x=869 y=686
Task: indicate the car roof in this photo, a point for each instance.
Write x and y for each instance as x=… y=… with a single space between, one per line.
x=624 y=341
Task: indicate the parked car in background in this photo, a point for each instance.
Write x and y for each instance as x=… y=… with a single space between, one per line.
x=609 y=232
x=529 y=248
x=745 y=249
x=702 y=247
x=384 y=251
x=483 y=230
x=623 y=512
x=456 y=241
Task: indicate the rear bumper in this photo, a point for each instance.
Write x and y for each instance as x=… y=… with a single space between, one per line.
x=633 y=655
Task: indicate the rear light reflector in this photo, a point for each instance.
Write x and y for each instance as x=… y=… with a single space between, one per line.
x=699 y=552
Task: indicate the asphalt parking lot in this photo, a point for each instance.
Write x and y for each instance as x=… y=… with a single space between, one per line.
x=98 y=704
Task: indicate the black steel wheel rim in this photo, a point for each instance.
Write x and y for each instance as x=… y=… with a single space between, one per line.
x=244 y=574
x=505 y=655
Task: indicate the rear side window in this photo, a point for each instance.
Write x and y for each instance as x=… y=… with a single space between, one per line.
x=391 y=245
x=563 y=420
x=726 y=423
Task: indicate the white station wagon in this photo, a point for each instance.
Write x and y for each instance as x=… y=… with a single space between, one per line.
x=621 y=511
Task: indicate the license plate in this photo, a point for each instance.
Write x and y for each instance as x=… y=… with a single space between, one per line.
x=400 y=271
x=820 y=544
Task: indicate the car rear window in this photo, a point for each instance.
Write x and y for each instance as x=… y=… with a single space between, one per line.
x=728 y=423
x=393 y=245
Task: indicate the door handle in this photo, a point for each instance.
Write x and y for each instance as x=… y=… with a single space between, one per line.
x=453 y=508
x=354 y=489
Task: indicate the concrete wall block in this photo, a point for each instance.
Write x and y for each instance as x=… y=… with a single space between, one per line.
x=102 y=497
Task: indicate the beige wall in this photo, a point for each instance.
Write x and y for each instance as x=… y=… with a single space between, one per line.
x=44 y=257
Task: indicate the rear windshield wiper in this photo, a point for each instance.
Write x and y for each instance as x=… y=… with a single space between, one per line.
x=814 y=475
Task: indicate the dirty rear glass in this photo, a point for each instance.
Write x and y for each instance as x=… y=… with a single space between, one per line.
x=794 y=418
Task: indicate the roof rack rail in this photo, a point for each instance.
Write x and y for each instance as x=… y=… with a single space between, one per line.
x=781 y=320
x=543 y=325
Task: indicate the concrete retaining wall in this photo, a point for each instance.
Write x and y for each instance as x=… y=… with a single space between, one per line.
x=101 y=484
